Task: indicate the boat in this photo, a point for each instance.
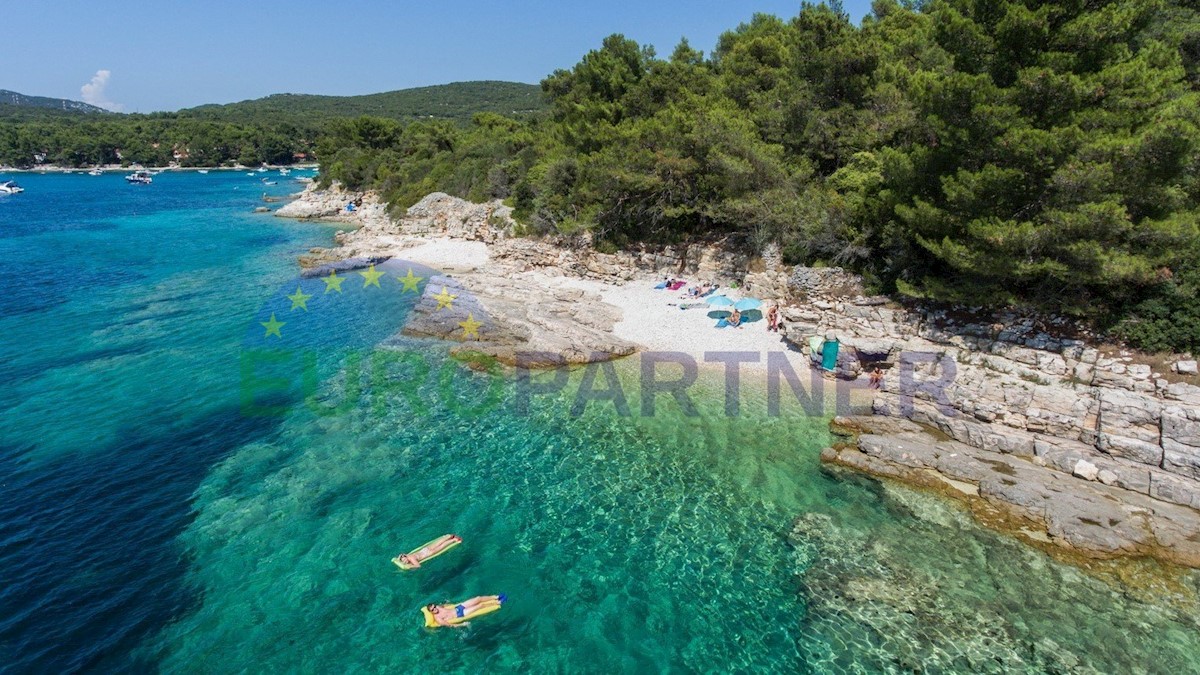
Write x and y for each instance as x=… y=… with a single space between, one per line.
x=262 y=169
x=284 y=172
x=9 y=187
x=250 y=174
x=202 y=171
x=95 y=172
x=140 y=178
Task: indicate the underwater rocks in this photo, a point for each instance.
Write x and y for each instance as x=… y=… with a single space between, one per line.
x=869 y=608
x=518 y=322
x=1065 y=508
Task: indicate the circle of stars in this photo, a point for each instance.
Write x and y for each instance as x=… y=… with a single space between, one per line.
x=371 y=276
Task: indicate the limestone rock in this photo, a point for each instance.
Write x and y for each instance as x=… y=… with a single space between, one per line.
x=825 y=281
x=1086 y=470
x=1181 y=441
x=1088 y=517
x=519 y=323
x=440 y=214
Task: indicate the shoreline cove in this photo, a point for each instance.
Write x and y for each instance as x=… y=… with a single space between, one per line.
x=657 y=540
x=1075 y=413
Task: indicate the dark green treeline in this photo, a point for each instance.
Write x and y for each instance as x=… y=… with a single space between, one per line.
x=990 y=152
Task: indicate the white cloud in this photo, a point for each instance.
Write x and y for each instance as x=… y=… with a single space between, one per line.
x=93 y=92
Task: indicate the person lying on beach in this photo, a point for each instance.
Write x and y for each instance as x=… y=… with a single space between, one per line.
x=698 y=290
x=414 y=558
x=448 y=615
x=735 y=319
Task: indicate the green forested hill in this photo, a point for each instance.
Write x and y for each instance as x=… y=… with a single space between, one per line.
x=455 y=101
x=272 y=129
x=14 y=105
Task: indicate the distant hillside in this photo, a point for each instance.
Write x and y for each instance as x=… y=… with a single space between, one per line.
x=455 y=101
x=277 y=129
x=14 y=104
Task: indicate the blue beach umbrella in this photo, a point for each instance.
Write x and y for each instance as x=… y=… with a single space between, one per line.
x=719 y=301
x=747 y=304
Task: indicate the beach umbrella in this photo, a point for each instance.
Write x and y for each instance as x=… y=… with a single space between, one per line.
x=719 y=301
x=746 y=304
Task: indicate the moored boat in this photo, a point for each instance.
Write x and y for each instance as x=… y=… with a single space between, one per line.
x=140 y=178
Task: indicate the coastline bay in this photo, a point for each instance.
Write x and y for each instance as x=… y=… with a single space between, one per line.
x=152 y=524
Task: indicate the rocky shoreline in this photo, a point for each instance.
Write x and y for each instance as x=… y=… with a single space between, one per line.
x=1087 y=448
x=1043 y=430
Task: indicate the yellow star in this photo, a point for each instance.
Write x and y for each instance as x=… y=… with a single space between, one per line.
x=371 y=277
x=333 y=282
x=272 y=327
x=444 y=299
x=470 y=326
x=410 y=281
x=300 y=299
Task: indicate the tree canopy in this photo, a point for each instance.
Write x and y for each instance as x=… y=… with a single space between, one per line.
x=1007 y=152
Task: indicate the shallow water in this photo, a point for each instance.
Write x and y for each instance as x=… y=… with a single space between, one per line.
x=152 y=520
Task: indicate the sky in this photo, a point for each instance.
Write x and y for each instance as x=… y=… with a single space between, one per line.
x=170 y=54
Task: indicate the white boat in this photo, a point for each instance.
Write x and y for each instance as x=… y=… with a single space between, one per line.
x=9 y=187
x=95 y=172
x=269 y=182
x=250 y=174
x=284 y=172
x=140 y=178
x=202 y=171
x=262 y=169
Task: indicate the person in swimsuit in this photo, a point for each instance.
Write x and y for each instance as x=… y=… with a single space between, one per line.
x=445 y=614
x=735 y=319
x=876 y=379
x=414 y=559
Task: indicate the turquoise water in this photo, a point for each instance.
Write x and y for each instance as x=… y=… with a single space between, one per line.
x=152 y=519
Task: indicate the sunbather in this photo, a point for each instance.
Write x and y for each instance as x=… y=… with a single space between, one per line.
x=452 y=615
x=429 y=550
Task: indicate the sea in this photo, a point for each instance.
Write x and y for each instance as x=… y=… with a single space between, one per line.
x=209 y=459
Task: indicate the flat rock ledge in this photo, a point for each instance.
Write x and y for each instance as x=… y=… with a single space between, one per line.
x=520 y=323
x=1055 y=510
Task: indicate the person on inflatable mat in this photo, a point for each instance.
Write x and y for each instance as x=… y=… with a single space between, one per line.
x=455 y=615
x=414 y=558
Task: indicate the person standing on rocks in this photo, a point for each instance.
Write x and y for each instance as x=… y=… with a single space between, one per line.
x=773 y=318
